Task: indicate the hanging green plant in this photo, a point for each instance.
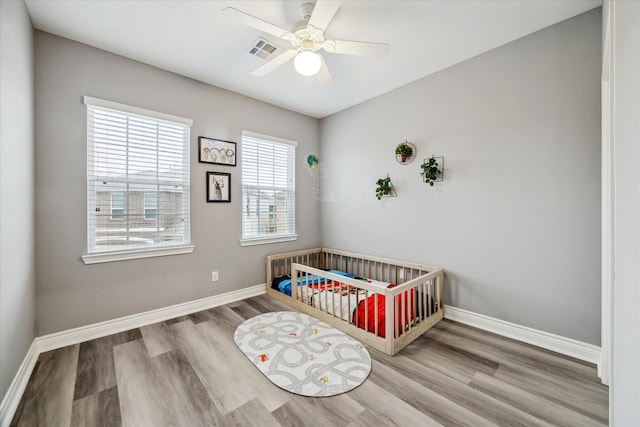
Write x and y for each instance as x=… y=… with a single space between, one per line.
x=383 y=187
x=430 y=170
x=404 y=150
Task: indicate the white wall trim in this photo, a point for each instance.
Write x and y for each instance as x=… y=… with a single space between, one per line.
x=102 y=329
x=98 y=258
x=18 y=385
x=567 y=346
x=266 y=240
x=607 y=169
x=97 y=330
x=103 y=103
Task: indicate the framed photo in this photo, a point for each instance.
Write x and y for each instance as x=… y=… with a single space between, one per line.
x=216 y=151
x=218 y=187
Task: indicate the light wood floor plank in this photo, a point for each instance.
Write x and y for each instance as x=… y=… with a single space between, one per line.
x=340 y=410
x=244 y=310
x=265 y=304
x=175 y=320
x=49 y=395
x=142 y=401
x=157 y=338
x=525 y=353
x=252 y=413
x=423 y=399
x=572 y=395
x=248 y=378
x=298 y=412
x=216 y=371
x=451 y=361
x=96 y=370
x=535 y=405
x=100 y=409
x=505 y=355
x=368 y=418
x=387 y=408
x=462 y=394
x=226 y=319
x=189 y=399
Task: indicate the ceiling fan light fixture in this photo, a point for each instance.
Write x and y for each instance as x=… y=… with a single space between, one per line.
x=307 y=63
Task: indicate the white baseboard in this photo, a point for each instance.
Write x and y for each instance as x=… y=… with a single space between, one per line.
x=85 y=333
x=567 y=346
x=109 y=327
x=17 y=387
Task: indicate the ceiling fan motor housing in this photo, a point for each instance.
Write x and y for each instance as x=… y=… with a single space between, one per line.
x=308 y=37
x=306 y=10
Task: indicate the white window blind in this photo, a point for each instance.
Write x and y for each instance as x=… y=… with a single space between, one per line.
x=138 y=178
x=268 y=188
x=150 y=205
x=117 y=206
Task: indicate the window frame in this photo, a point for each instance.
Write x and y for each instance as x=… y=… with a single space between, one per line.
x=267 y=238
x=93 y=256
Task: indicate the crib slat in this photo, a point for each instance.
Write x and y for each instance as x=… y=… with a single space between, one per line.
x=403 y=298
x=366 y=310
x=333 y=297
x=341 y=302
x=433 y=298
x=353 y=319
x=389 y=323
x=326 y=301
x=355 y=309
x=420 y=302
x=375 y=316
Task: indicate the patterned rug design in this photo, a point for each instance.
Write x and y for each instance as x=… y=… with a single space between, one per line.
x=303 y=355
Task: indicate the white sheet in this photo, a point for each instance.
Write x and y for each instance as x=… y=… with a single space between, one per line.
x=345 y=304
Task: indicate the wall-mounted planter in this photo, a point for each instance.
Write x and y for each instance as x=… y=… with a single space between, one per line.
x=384 y=188
x=432 y=170
x=405 y=153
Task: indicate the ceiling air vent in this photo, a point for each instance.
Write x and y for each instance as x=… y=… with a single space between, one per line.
x=262 y=48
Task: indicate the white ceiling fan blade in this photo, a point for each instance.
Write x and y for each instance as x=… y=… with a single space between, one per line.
x=258 y=23
x=275 y=63
x=356 y=48
x=323 y=76
x=323 y=13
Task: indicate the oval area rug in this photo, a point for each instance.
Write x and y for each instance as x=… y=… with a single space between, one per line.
x=303 y=355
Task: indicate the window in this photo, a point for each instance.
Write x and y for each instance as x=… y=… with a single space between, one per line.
x=117 y=206
x=268 y=189
x=150 y=205
x=138 y=169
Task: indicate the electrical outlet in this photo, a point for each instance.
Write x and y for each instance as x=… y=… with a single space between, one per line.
x=214 y=276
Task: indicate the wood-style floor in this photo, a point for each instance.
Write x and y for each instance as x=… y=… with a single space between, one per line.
x=188 y=372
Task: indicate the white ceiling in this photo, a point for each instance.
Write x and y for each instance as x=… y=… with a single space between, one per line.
x=195 y=39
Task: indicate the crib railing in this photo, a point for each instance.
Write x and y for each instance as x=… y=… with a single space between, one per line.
x=385 y=318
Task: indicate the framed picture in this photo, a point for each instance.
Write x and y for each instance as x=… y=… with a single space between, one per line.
x=218 y=187
x=216 y=151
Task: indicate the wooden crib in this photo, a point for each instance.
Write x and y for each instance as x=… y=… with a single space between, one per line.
x=410 y=307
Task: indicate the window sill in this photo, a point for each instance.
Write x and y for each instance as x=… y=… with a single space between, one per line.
x=266 y=240
x=136 y=254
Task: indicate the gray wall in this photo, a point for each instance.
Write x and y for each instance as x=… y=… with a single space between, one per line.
x=71 y=294
x=17 y=242
x=516 y=223
x=625 y=381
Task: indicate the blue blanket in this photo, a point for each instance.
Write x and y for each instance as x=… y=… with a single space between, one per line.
x=285 y=285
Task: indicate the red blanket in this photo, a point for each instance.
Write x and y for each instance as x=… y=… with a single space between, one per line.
x=400 y=322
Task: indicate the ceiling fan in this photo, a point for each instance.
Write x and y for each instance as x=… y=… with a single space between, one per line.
x=307 y=38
